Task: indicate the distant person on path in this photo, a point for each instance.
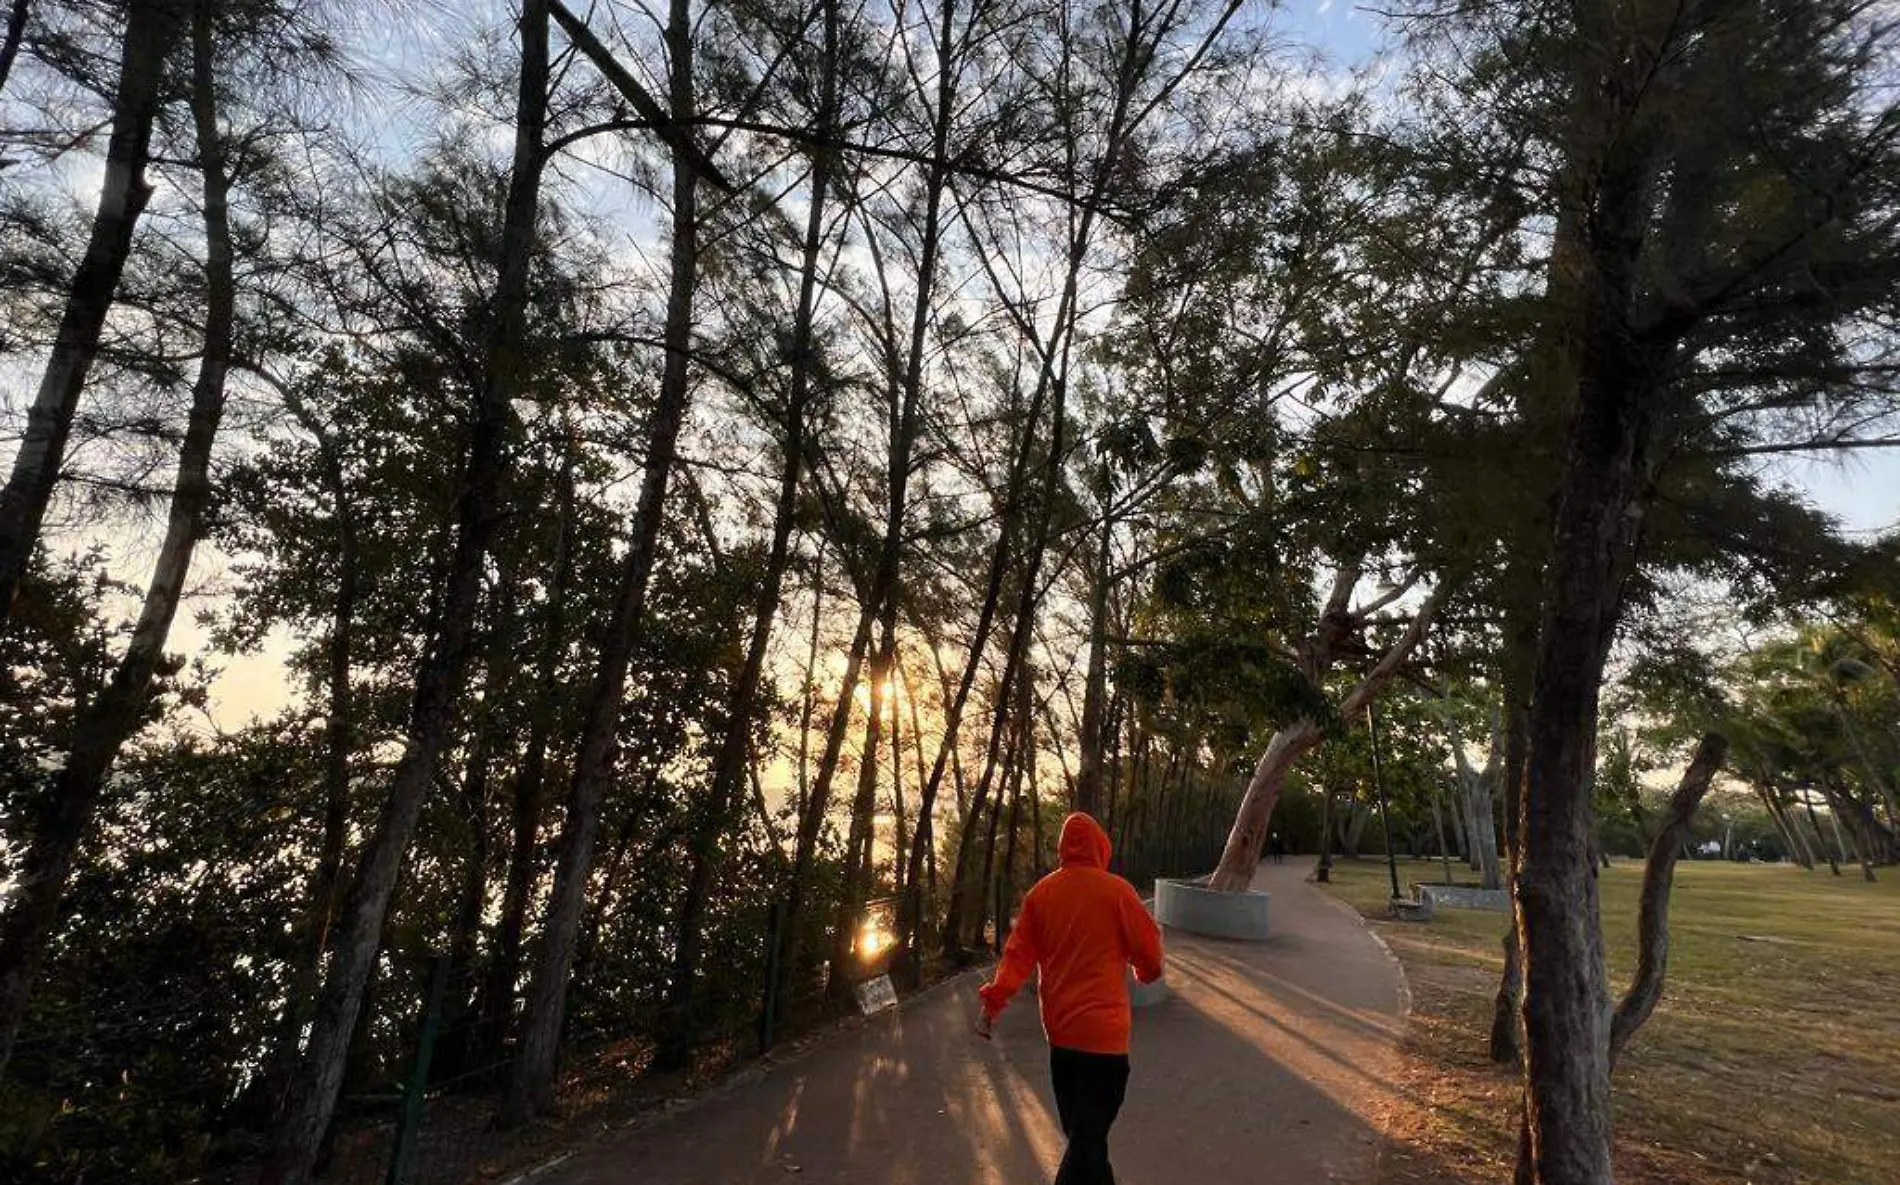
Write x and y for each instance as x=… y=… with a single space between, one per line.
x=1081 y=927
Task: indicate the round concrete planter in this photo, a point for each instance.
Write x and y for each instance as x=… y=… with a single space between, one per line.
x=1146 y=995
x=1192 y=906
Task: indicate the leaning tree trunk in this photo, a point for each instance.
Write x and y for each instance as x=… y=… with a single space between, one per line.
x=1820 y=838
x=1000 y=733
x=15 y=35
x=531 y=1080
x=1652 y=928
x=152 y=29
x=1091 y=741
x=1791 y=836
x=60 y=821
x=1517 y=669
x=1252 y=822
x=323 y=896
x=504 y=968
x=444 y=667
x=844 y=928
x=1839 y=808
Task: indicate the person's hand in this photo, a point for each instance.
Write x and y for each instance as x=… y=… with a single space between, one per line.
x=985 y=1024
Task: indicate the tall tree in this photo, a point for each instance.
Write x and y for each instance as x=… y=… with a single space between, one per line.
x=442 y=672
x=153 y=29
x=531 y=1080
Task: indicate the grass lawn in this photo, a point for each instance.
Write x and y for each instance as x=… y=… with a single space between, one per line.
x=1774 y=1057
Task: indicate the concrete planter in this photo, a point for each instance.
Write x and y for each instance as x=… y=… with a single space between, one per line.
x=1146 y=995
x=1192 y=906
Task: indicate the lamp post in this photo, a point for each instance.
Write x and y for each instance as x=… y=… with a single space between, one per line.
x=1378 y=786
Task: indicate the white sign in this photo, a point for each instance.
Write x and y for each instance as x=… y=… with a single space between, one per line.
x=875 y=995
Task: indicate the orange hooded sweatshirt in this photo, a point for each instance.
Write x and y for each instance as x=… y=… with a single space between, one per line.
x=1081 y=926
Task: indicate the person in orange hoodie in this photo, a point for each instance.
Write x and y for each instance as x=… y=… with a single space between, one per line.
x=1080 y=927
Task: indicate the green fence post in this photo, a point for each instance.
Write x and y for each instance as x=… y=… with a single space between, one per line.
x=768 y=1011
x=409 y=1124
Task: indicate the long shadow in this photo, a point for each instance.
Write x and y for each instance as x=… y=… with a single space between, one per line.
x=1280 y=1025
x=916 y=1099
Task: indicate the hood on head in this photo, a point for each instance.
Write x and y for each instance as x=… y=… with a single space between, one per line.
x=1084 y=842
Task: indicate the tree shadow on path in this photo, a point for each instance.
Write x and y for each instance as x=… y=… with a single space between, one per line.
x=1271 y=1062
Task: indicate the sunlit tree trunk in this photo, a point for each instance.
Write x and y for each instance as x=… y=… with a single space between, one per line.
x=1253 y=821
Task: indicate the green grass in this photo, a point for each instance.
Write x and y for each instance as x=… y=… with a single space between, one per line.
x=1774 y=1057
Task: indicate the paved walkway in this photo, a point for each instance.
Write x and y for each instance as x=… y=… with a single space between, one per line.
x=1269 y=1063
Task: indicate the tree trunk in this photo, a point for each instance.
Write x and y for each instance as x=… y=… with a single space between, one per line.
x=1506 y=1046
x=1839 y=808
x=504 y=970
x=459 y=1051
x=339 y=733
x=1357 y=820
x=844 y=927
x=16 y=33
x=1241 y=855
x=1868 y=765
x=1792 y=841
x=152 y=28
x=986 y=895
x=1051 y=379
x=444 y=666
x=1323 y=870
x=1652 y=928
x=61 y=822
x=1006 y=897
x=1038 y=866
x=1090 y=744
x=808 y=704
x=1252 y=824
x=1566 y=998
x=1438 y=824
x=531 y=1082
x=1484 y=833
x=1833 y=864
x=730 y=764
x=1000 y=729
x=900 y=824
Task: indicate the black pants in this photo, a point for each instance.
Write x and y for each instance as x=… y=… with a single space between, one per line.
x=1089 y=1092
